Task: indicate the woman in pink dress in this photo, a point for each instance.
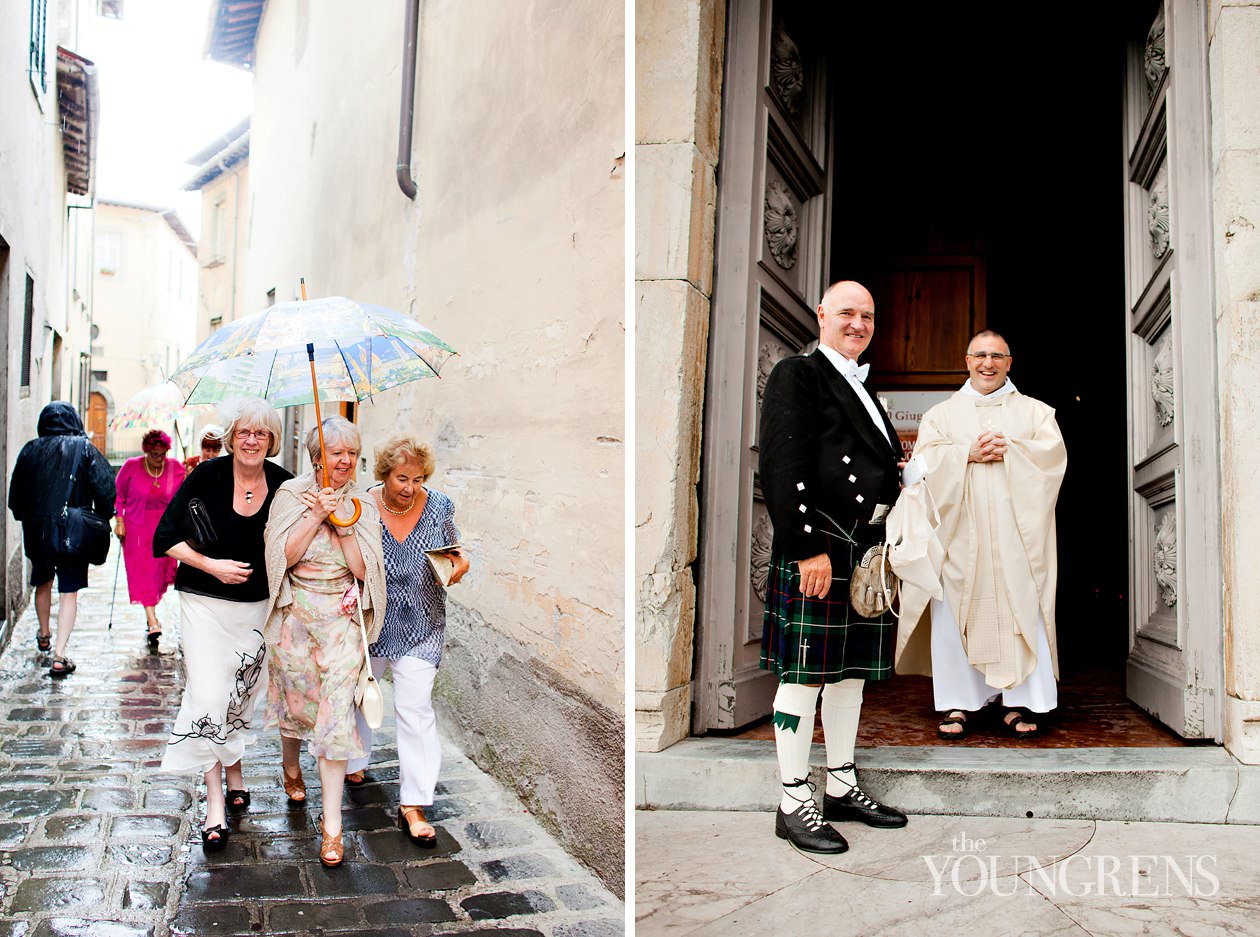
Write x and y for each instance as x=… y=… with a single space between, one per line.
x=145 y=485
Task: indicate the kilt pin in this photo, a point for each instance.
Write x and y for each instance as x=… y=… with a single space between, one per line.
x=808 y=640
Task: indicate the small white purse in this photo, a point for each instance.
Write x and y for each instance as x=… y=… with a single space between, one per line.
x=368 y=696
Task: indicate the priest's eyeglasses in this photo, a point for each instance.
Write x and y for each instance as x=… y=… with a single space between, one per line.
x=997 y=356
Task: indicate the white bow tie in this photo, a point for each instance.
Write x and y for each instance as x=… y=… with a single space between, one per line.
x=859 y=371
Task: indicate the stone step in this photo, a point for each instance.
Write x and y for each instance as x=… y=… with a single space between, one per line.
x=1200 y=784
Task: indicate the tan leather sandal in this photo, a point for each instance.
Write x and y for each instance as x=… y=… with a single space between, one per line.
x=331 y=848
x=411 y=820
x=295 y=787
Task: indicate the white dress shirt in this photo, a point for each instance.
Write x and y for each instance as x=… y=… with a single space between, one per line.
x=855 y=375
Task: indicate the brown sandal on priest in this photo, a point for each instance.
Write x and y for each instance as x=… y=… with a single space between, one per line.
x=954 y=717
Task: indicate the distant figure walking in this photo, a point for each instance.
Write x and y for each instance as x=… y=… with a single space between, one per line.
x=58 y=470
x=146 y=485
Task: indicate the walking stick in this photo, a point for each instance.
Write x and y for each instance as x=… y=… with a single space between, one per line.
x=114 y=596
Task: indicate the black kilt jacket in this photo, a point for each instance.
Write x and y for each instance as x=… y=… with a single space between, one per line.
x=822 y=461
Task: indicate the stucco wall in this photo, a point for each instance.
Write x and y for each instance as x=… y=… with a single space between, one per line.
x=512 y=252
x=221 y=283
x=146 y=321
x=1234 y=50
x=678 y=100
x=39 y=234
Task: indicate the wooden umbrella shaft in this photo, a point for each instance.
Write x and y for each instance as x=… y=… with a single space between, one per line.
x=323 y=456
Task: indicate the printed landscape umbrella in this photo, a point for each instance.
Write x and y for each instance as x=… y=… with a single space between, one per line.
x=311 y=350
x=157 y=405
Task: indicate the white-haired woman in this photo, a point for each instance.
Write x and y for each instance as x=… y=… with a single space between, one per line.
x=415 y=519
x=214 y=527
x=312 y=630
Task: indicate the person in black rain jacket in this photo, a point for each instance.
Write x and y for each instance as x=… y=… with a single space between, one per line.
x=40 y=487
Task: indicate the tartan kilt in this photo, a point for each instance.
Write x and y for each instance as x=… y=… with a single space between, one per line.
x=806 y=640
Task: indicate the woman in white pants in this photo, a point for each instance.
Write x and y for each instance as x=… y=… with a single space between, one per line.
x=414 y=519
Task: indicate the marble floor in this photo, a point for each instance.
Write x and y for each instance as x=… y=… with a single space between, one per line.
x=718 y=873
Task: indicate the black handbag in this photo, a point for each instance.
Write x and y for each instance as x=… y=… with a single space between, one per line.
x=82 y=534
x=197 y=524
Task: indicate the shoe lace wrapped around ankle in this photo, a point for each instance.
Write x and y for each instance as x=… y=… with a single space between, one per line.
x=854 y=791
x=808 y=810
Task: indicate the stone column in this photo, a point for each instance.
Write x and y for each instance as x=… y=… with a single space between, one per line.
x=678 y=107
x=1234 y=50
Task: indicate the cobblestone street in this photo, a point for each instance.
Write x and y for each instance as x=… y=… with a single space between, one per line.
x=96 y=841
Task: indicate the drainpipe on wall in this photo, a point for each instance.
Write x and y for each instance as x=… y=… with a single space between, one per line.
x=407 y=109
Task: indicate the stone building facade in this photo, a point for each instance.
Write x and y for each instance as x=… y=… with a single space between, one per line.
x=500 y=227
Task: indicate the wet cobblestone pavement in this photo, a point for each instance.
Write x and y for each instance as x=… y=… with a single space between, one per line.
x=94 y=840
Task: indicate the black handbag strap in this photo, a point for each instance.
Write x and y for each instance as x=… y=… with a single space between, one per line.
x=74 y=477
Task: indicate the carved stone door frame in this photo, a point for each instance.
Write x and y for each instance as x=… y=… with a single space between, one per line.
x=774 y=204
x=1175 y=664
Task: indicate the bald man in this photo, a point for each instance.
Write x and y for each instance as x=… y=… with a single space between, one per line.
x=829 y=473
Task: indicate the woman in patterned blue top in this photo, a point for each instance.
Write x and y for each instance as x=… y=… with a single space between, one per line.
x=414 y=519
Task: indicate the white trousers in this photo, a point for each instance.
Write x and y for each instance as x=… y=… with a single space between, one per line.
x=957 y=684
x=419 y=750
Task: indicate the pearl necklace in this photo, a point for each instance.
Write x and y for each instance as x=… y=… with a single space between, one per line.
x=392 y=511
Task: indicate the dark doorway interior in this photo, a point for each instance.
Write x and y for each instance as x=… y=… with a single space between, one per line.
x=952 y=141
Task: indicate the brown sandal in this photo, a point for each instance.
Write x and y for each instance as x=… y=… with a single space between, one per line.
x=295 y=787
x=411 y=819
x=330 y=845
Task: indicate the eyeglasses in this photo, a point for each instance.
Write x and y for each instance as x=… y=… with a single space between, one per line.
x=259 y=434
x=997 y=356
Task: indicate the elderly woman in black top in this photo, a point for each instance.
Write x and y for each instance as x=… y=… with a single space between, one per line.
x=214 y=527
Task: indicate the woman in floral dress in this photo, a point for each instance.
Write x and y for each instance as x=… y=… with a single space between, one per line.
x=145 y=487
x=312 y=630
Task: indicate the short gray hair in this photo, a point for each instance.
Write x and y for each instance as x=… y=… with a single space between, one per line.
x=251 y=413
x=336 y=429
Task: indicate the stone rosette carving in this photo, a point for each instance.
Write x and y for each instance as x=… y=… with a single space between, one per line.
x=759 y=558
x=1154 y=63
x=780 y=224
x=1165 y=558
x=1162 y=381
x=787 y=72
x=1157 y=214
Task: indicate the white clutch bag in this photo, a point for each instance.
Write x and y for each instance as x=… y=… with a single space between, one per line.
x=442 y=562
x=368 y=696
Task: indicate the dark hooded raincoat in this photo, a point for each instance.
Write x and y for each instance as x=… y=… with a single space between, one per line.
x=41 y=478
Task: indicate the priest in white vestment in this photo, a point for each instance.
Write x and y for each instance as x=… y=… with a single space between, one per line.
x=992 y=460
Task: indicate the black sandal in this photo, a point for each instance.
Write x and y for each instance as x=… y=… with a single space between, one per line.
x=953 y=717
x=43 y=642
x=153 y=638
x=237 y=801
x=1022 y=718
x=219 y=843
x=61 y=667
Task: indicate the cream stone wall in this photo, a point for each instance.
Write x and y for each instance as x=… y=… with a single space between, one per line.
x=513 y=252
x=145 y=311
x=678 y=100
x=39 y=237
x=1234 y=51
x=221 y=279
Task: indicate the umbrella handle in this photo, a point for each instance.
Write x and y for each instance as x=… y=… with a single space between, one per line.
x=358 y=511
x=319 y=425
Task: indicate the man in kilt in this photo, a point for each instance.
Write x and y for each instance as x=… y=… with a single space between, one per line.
x=829 y=472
